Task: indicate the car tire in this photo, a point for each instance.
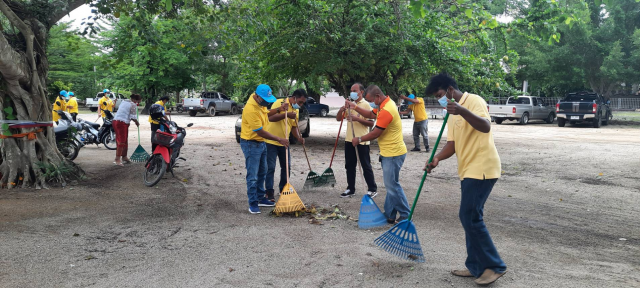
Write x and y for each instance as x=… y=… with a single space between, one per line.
x=292 y=139
x=524 y=119
x=234 y=110
x=237 y=138
x=93 y=109
x=597 y=122
x=211 y=111
x=498 y=120
x=607 y=119
x=561 y=122
x=193 y=113
x=324 y=112
x=306 y=132
x=550 y=118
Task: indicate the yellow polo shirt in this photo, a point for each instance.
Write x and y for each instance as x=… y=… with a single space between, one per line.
x=151 y=120
x=58 y=105
x=254 y=118
x=277 y=128
x=105 y=104
x=358 y=127
x=476 y=152
x=419 y=112
x=72 y=105
x=391 y=142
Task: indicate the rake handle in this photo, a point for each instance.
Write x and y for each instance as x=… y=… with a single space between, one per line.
x=353 y=133
x=424 y=175
x=286 y=134
x=303 y=147
x=138 y=117
x=336 y=145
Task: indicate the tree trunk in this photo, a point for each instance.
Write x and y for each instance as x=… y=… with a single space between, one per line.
x=24 y=68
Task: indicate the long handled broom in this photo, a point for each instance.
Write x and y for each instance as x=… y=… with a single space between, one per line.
x=327 y=177
x=139 y=155
x=312 y=176
x=402 y=239
x=289 y=201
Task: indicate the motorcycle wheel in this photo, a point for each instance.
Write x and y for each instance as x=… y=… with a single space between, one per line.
x=156 y=167
x=109 y=141
x=68 y=149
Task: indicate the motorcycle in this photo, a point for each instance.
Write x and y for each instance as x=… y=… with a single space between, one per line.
x=66 y=133
x=93 y=133
x=167 y=152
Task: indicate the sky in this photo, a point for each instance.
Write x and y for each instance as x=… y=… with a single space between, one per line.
x=77 y=15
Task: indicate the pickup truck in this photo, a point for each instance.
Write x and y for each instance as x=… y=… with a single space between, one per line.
x=522 y=109
x=580 y=107
x=92 y=103
x=210 y=103
x=316 y=108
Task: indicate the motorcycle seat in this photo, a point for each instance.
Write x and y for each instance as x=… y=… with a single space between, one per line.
x=93 y=124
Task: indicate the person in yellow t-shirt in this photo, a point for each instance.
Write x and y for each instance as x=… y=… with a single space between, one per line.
x=72 y=105
x=274 y=148
x=361 y=126
x=105 y=104
x=420 y=122
x=59 y=105
x=393 y=151
x=255 y=117
x=469 y=138
x=155 y=125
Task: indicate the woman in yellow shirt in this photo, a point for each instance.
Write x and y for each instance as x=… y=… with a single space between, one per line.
x=72 y=105
x=59 y=105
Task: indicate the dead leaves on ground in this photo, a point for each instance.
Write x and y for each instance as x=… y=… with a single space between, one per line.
x=318 y=214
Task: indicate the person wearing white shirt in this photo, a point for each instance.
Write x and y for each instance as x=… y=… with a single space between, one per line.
x=126 y=113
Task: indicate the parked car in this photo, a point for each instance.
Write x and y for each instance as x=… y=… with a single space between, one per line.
x=580 y=107
x=92 y=103
x=316 y=108
x=522 y=109
x=404 y=107
x=303 y=121
x=210 y=103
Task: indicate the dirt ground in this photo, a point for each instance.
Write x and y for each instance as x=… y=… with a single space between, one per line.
x=564 y=214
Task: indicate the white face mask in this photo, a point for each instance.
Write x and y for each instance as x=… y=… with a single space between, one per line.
x=443 y=101
x=354 y=96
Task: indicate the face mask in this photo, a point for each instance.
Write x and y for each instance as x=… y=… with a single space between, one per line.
x=443 y=100
x=264 y=103
x=295 y=106
x=373 y=105
x=353 y=96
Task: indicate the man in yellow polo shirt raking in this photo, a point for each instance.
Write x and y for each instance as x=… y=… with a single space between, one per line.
x=388 y=131
x=469 y=138
x=255 y=117
x=420 y=122
x=275 y=149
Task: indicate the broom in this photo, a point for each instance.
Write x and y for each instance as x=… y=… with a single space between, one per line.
x=312 y=176
x=139 y=155
x=327 y=177
x=402 y=239
x=289 y=201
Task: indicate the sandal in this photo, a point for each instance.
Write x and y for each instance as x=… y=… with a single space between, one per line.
x=118 y=164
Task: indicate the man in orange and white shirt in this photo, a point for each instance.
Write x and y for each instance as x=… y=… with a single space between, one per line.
x=388 y=131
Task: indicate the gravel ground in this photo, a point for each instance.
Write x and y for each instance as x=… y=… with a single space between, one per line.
x=565 y=214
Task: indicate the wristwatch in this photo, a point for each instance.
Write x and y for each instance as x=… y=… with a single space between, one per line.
x=359 y=139
x=278 y=109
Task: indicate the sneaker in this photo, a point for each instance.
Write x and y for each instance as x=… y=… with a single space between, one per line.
x=428 y=148
x=254 y=210
x=347 y=193
x=269 y=195
x=372 y=193
x=415 y=149
x=266 y=203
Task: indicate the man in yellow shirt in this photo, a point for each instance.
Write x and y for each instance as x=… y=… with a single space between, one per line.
x=155 y=125
x=361 y=126
x=59 y=105
x=274 y=148
x=469 y=137
x=388 y=131
x=255 y=117
x=105 y=104
x=72 y=105
x=420 y=122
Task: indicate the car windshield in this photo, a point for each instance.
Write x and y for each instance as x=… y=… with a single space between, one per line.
x=520 y=100
x=577 y=98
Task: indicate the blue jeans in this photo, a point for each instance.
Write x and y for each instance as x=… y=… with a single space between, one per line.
x=273 y=152
x=481 y=253
x=396 y=201
x=255 y=157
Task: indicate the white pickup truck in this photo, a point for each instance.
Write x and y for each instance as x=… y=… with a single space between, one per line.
x=523 y=109
x=92 y=103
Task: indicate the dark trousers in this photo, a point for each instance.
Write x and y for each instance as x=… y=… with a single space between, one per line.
x=74 y=115
x=481 y=253
x=351 y=164
x=273 y=152
x=154 y=128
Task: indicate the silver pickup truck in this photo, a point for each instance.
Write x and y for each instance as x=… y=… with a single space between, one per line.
x=210 y=103
x=523 y=109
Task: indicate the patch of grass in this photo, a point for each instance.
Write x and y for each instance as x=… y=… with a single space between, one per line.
x=626 y=116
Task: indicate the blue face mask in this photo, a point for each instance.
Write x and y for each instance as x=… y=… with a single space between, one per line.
x=373 y=105
x=443 y=101
x=353 y=96
x=295 y=106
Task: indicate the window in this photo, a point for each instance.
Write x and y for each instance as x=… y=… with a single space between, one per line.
x=520 y=100
x=224 y=97
x=535 y=101
x=579 y=98
x=311 y=101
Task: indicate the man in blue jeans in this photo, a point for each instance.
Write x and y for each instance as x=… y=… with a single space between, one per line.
x=252 y=136
x=469 y=137
x=388 y=131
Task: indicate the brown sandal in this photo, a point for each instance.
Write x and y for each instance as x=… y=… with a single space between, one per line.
x=461 y=273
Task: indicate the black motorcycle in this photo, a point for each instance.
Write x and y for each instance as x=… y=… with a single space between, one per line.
x=93 y=133
x=66 y=133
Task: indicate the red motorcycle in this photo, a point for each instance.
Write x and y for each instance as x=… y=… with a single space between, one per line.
x=164 y=157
